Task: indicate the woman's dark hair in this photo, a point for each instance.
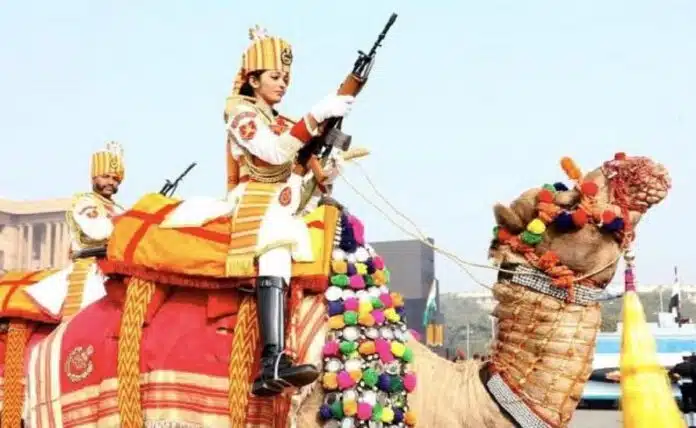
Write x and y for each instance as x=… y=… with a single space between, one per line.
x=246 y=88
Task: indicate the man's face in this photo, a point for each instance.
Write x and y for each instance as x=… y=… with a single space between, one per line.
x=105 y=185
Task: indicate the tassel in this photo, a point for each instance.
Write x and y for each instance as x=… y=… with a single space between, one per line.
x=571 y=169
x=646 y=395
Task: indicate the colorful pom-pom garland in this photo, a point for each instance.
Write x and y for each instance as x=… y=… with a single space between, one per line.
x=564 y=220
x=366 y=374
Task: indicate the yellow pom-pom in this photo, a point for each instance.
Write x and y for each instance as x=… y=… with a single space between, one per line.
x=366 y=320
x=367 y=348
x=391 y=315
x=330 y=381
x=365 y=307
x=336 y=322
x=536 y=227
x=378 y=278
x=361 y=268
x=410 y=418
x=339 y=266
x=356 y=375
x=398 y=348
x=350 y=407
x=387 y=414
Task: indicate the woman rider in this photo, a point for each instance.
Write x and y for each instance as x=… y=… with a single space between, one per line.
x=262 y=146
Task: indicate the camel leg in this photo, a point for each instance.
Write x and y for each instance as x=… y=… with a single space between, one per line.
x=277 y=369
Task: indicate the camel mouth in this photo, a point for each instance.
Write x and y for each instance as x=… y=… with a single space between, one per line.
x=637 y=183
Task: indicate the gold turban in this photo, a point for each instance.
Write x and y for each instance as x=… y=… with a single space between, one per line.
x=264 y=53
x=108 y=161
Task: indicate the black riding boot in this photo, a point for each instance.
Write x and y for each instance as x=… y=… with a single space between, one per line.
x=271 y=308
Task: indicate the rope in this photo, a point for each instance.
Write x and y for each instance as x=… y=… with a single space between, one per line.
x=242 y=356
x=13 y=401
x=450 y=255
x=138 y=295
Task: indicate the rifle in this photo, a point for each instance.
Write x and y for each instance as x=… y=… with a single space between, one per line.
x=320 y=147
x=170 y=187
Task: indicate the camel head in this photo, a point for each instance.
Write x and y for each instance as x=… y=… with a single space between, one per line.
x=582 y=229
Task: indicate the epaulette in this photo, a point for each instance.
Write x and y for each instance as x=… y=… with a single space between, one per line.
x=234 y=101
x=77 y=196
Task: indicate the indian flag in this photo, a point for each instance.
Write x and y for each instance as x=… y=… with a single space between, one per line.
x=430 y=304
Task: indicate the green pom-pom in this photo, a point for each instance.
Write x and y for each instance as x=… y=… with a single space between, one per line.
x=337 y=409
x=387 y=276
x=370 y=377
x=369 y=280
x=377 y=412
x=408 y=355
x=348 y=347
x=549 y=187
x=376 y=303
x=530 y=238
x=396 y=384
x=350 y=317
x=340 y=280
x=496 y=229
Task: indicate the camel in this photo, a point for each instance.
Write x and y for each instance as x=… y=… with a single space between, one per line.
x=167 y=295
x=544 y=345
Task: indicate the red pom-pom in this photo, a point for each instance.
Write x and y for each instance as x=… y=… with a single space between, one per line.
x=546 y=196
x=503 y=235
x=580 y=217
x=608 y=216
x=589 y=188
x=620 y=156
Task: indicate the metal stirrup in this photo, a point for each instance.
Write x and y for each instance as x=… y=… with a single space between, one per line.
x=276 y=378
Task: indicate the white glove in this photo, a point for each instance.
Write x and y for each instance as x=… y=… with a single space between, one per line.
x=332 y=106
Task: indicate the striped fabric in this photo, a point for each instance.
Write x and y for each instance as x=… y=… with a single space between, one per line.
x=76 y=285
x=169 y=398
x=270 y=53
x=246 y=222
x=105 y=162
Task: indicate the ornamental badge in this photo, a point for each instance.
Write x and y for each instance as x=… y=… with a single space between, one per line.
x=286 y=57
x=285 y=197
x=78 y=364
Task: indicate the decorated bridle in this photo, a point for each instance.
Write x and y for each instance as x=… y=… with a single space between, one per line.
x=634 y=185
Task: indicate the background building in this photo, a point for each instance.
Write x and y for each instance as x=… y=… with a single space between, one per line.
x=412 y=267
x=33 y=234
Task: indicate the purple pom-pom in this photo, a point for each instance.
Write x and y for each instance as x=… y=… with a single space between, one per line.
x=615 y=225
x=560 y=187
x=384 y=382
x=564 y=221
x=351 y=269
x=336 y=308
x=325 y=412
x=370 y=266
x=398 y=415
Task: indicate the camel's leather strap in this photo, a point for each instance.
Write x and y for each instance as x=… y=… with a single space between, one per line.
x=538 y=281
